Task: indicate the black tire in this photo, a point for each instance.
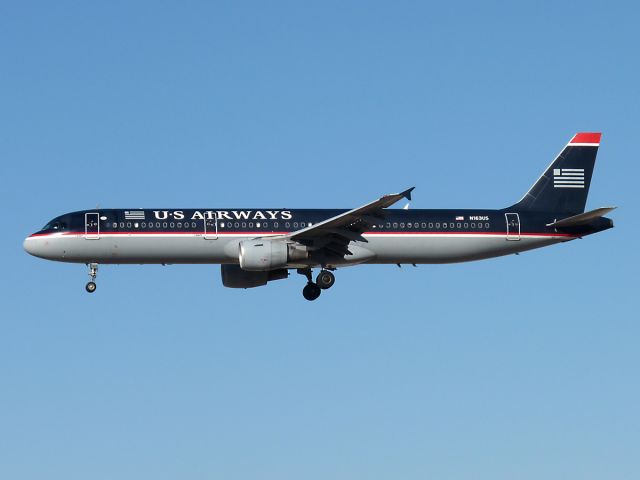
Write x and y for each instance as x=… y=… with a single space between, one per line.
x=90 y=287
x=311 y=291
x=325 y=279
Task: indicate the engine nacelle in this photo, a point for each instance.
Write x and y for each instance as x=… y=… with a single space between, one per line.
x=235 y=277
x=264 y=255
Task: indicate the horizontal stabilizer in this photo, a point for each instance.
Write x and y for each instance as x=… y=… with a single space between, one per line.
x=581 y=219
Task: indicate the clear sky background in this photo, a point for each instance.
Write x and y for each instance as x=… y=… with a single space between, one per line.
x=514 y=368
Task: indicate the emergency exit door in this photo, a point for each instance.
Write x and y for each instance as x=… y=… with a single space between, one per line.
x=513 y=226
x=211 y=228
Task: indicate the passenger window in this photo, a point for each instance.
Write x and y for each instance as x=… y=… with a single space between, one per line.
x=473 y=225
x=179 y=224
x=128 y=224
x=237 y=225
x=466 y=225
x=275 y=224
x=459 y=225
x=444 y=225
x=287 y=224
x=121 y=224
x=395 y=224
x=486 y=225
x=244 y=224
x=193 y=224
x=401 y=224
x=451 y=225
x=115 y=225
x=250 y=224
x=164 y=224
x=295 y=224
x=430 y=225
x=388 y=225
x=437 y=225
x=424 y=225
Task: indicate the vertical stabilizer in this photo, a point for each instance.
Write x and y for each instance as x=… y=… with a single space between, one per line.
x=564 y=185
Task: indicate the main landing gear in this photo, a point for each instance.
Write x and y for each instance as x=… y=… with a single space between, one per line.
x=324 y=280
x=311 y=291
x=93 y=273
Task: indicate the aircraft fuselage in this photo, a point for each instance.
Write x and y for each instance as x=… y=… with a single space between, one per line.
x=212 y=236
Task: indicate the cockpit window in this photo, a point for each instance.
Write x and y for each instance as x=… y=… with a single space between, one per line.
x=55 y=225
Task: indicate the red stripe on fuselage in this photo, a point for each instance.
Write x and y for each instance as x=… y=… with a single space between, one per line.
x=262 y=233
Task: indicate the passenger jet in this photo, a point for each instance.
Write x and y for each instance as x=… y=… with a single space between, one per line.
x=256 y=246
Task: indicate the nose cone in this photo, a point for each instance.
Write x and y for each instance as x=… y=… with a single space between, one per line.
x=32 y=245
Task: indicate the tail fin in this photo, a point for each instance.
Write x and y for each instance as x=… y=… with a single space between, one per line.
x=564 y=185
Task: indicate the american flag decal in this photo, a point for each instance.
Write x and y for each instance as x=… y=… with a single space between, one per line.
x=134 y=215
x=459 y=218
x=568 y=177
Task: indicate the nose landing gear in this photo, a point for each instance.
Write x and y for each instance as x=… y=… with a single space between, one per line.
x=91 y=286
x=324 y=280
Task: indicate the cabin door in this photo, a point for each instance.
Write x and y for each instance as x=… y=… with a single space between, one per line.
x=92 y=226
x=513 y=226
x=211 y=228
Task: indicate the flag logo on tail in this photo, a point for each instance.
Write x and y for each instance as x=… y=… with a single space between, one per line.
x=568 y=177
x=134 y=215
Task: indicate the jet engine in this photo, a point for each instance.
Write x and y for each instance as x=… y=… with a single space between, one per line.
x=263 y=255
x=235 y=277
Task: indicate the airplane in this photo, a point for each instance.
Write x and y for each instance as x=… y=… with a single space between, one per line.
x=257 y=246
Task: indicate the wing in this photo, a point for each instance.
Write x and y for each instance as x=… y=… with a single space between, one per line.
x=334 y=234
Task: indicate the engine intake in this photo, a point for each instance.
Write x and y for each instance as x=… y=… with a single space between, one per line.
x=264 y=255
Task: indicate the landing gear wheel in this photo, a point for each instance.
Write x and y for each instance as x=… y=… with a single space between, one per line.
x=93 y=273
x=311 y=291
x=325 y=279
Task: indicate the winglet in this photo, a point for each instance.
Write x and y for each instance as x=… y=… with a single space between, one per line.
x=407 y=193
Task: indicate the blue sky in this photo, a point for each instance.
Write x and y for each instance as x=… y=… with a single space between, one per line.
x=519 y=367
